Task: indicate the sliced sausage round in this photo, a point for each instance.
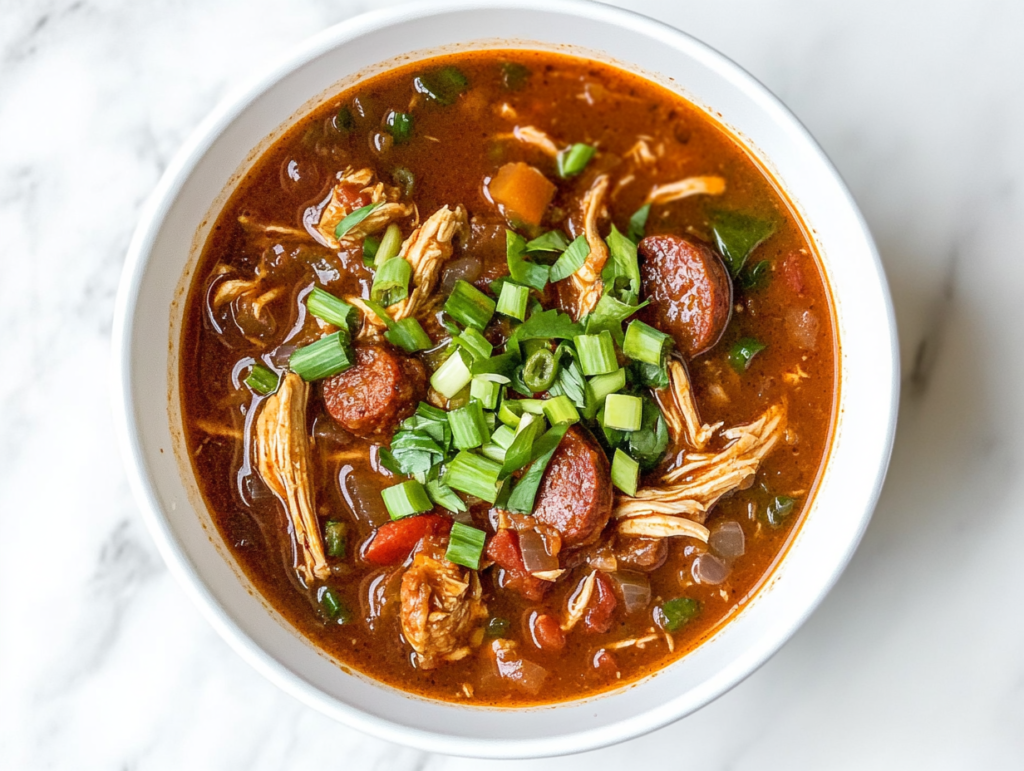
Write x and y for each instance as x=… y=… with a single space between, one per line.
x=371 y=398
x=575 y=495
x=689 y=289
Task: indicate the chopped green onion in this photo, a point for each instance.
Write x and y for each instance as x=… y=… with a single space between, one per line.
x=485 y=391
x=525 y=492
x=261 y=380
x=573 y=160
x=625 y=472
x=405 y=179
x=354 y=218
x=561 y=410
x=331 y=309
x=443 y=86
x=333 y=605
x=531 y=406
x=638 y=224
x=596 y=353
x=399 y=126
x=335 y=538
x=503 y=365
x=743 y=351
x=474 y=475
x=478 y=345
x=497 y=627
x=571 y=259
x=645 y=343
x=519 y=453
x=540 y=370
x=623 y=412
x=738 y=235
x=326 y=357
x=513 y=299
x=343 y=120
x=390 y=244
x=391 y=281
x=469 y=306
x=465 y=546
x=371 y=245
x=492 y=451
x=503 y=436
x=514 y=76
x=520 y=269
x=602 y=385
x=673 y=614
x=405 y=499
x=621 y=273
x=452 y=376
x=778 y=510
x=469 y=429
x=510 y=414
x=444 y=496
x=409 y=335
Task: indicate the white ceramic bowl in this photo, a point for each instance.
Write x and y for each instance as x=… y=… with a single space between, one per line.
x=146 y=335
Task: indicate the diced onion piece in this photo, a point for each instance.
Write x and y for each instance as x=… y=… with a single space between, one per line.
x=596 y=353
x=405 y=499
x=625 y=472
x=709 y=570
x=469 y=429
x=465 y=545
x=560 y=409
x=326 y=357
x=727 y=540
x=635 y=589
x=644 y=343
x=513 y=300
x=469 y=306
x=474 y=475
x=452 y=376
x=535 y=556
x=623 y=412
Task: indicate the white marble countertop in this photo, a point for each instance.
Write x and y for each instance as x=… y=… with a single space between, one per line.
x=915 y=660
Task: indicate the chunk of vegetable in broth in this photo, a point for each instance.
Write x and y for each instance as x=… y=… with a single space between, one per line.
x=522 y=193
x=737 y=235
x=514 y=75
x=742 y=353
x=443 y=86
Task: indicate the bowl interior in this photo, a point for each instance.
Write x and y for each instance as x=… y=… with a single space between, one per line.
x=163 y=255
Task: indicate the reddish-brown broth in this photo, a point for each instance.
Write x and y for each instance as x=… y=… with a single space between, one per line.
x=575 y=101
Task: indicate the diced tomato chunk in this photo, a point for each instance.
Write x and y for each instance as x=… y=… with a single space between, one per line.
x=393 y=541
x=547 y=633
x=602 y=606
x=503 y=548
x=793 y=274
x=351 y=197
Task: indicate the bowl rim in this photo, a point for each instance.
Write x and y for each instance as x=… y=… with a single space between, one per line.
x=139 y=251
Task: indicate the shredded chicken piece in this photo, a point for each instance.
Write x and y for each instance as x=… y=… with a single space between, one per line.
x=259 y=302
x=427 y=249
x=230 y=290
x=663 y=526
x=373 y=325
x=441 y=607
x=533 y=136
x=587 y=280
x=339 y=206
x=216 y=429
x=641 y=153
x=679 y=508
x=271 y=230
x=282 y=458
x=548 y=575
x=639 y=642
x=579 y=601
x=794 y=377
x=684 y=188
x=680 y=410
